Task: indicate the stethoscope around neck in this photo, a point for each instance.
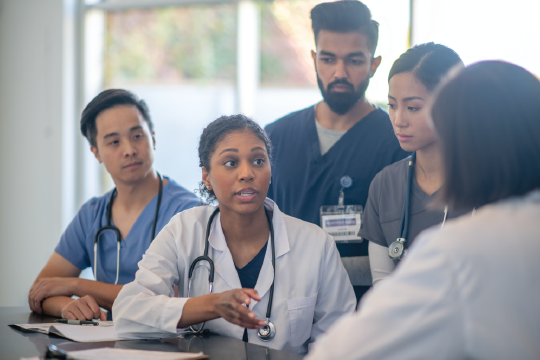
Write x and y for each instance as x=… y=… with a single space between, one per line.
x=397 y=249
x=116 y=231
x=268 y=331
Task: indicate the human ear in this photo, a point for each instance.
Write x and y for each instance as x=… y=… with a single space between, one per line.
x=95 y=151
x=374 y=65
x=206 y=178
x=154 y=140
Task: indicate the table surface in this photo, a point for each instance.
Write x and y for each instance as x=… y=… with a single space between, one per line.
x=15 y=344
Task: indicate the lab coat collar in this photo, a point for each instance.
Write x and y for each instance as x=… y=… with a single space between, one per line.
x=218 y=242
x=224 y=264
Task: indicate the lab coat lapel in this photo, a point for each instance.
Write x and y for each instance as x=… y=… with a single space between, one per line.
x=281 y=241
x=223 y=264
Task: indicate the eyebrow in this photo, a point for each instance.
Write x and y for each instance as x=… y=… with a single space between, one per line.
x=354 y=54
x=138 y=127
x=236 y=150
x=229 y=150
x=407 y=98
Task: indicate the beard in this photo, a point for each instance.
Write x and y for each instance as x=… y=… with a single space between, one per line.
x=342 y=103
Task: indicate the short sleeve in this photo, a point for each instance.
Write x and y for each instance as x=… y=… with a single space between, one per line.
x=371 y=225
x=72 y=245
x=189 y=201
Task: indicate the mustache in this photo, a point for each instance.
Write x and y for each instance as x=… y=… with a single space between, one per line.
x=340 y=82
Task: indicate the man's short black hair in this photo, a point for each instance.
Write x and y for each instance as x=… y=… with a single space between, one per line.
x=345 y=16
x=488 y=120
x=106 y=100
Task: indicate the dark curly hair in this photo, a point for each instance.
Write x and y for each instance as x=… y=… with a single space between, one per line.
x=215 y=132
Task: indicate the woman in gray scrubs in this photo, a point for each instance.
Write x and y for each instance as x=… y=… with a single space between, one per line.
x=412 y=80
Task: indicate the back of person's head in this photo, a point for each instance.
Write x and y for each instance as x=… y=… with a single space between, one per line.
x=428 y=62
x=345 y=16
x=488 y=120
x=106 y=100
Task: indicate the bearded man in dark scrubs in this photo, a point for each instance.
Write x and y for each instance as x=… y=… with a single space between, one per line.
x=337 y=146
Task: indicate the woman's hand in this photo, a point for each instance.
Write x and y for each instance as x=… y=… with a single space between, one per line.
x=232 y=305
x=85 y=308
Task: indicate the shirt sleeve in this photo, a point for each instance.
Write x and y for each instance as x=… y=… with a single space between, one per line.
x=335 y=295
x=416 y=313
x=380 y=263
x=146 y=307
x=72 y=245
x=188 y=203
x=371 y=224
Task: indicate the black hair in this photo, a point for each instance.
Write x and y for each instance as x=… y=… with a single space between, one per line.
x=488 y=120
x=428 y=62
x=106 y=100
x=345 y=16
x=215 y=132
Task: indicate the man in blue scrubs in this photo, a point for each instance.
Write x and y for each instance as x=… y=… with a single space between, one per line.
x=343 y=136
x=118 y=126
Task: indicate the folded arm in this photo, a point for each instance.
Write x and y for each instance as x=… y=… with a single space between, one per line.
x=58 y=281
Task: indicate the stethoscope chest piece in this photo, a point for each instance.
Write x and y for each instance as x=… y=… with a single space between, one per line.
x=397 y=249
x=267 y=332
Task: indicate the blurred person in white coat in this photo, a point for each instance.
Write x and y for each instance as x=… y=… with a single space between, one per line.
x=471 y=289
x=286 y=306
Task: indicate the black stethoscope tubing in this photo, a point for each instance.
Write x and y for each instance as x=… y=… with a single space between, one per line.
x=267 y=332
x=397 y=248
x=404 y=227
x=116 y=231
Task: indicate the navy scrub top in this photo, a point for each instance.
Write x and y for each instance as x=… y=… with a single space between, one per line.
x=303 y=180
x=77 y=242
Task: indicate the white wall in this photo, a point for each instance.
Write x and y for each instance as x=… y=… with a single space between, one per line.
x=37 y=142
x=481 y=29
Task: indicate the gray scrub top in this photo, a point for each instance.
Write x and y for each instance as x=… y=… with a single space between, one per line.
x=382 y=215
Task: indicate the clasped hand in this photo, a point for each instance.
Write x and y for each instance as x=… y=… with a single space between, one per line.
x=47 y=287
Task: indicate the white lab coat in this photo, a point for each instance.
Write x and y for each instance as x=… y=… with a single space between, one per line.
x=468 y=291
x=312 y=289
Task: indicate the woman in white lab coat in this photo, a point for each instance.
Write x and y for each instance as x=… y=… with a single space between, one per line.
x=311 y=287
x=469 y=290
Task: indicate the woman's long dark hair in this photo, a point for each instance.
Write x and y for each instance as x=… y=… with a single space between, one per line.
x=488 y=120
x=428 y=62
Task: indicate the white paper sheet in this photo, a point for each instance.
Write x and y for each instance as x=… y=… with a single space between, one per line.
x=121 y=354
x=40 y=328
x=80 y=333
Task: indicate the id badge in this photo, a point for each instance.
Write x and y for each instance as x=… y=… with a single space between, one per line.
x=343 y=222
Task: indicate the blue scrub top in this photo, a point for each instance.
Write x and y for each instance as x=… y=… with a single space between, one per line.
x=303 y=180
x=77 y=242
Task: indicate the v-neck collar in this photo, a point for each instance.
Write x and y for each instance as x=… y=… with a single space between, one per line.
x=223 y=261
x=315 y=147
x=150 y=207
